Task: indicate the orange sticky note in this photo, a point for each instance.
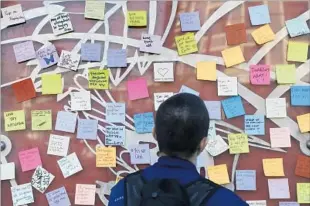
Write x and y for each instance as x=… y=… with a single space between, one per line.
x=218 y=174
x=24 y=90
x=105 y=156
x=206 y=71
x=303 y=166
x=263 y=34
x=235 y=34
x=233 y=56
x=273 y=167
x=304 y=122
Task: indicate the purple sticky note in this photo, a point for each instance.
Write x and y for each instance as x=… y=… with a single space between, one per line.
x=87 y=129
x=137 y=89
x=214 y=109
x=190 y=21
x=91 y=52
x=117 y=58
x=58 y=197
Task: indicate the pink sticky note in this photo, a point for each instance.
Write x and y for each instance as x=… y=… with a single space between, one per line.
x=137 y=89
x=260 y=74
x=29 y=159
x=280 y=137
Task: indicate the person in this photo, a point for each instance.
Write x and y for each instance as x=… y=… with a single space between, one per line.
x=181 y=130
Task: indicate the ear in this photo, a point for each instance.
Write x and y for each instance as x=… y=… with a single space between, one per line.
x=154 y=133
x=203 y=143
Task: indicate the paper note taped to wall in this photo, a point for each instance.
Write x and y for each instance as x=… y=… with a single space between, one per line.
x=115 y=135
x=190 y=21
x=163 y=72
x=259 y=15
x=227 y=86
x=254 y=124
x=257 y=203
x=137 y=89
x=69 y=60
x=80 y=101
x=140 y=154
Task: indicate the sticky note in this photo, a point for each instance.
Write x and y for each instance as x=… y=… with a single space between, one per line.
x=24 y=90
x=186 y=44
x=297 y=27
x=117 y=58
x=24 y=51
x=233 y=107
x=105 y=156
x=303 y=193
x=159 y=98
x=41 y=179
x=13 y=15
x=98 y=79
x=227 y=86
x=85 y=194
x=94 y=9
x=260 y=74
x=115 y=112
x=246 y=180
x=61 y=23
x=69 y=165
x=288 y=204
x=273 y=167
x=214 y=109
x=297 y=51
x=276 y=107
x=280 y=137
x=254 y=124
x=14 y=120
x=278 y=188
x=41 y=120
x=69 y=60
x=137 y=89
x=300 y=95
x=58 y=197
x=186 y=89
x=206 y=71
x=7 y=171
x=257 y=203
x=259 y=15
x=236 y=34
x=212 y=130
x=233 y=56
x=190 y=21
x=302 y=168
x=216 y=146
x=144 y=122
x=47 y=56
x=163 y=72
x=58 y=145
x=137 y=18
x=87 y=129
x=80 y=101
x=115 y=135
x=263 y=34
x=52 y=84
x=150 y=43
x=140 y=154
x=238 y=143
x=218 y=174
x=66 y=121
x=22 y=194
x=91 y=52
x=29 y=159
x=304 y=122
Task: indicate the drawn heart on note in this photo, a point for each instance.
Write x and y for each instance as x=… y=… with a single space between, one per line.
x=162 y=71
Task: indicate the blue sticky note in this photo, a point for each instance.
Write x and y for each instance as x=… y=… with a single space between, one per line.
x=115 y=112
x=254 y=124
x=214 y=109
x=58 y=197
x=300 y=95
x=246 y=180
x=185 y=89
x=297 y=27
x=87 y=129
x=259 y=15
x=117 y=58
x=66 y=121
x=91 y=52
x=190 y=21
x=289 y=204
x=233 y=107
x=144 y=122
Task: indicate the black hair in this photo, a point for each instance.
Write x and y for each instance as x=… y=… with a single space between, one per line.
x=182 y=121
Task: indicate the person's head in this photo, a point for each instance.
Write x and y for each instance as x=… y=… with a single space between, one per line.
x=181 y=126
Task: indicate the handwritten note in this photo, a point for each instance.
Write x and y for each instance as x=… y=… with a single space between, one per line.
x=69 y=60
x=13 y=15
x=238 y=143
x=190 y=21
x=58 y=197
x=47 y=56
x=263 y=34
x=297 y=27
x=80 y=101
x=212 y=130
x=29 y=159
x=278 y=188
x=257 y=203
x=137 y=18
x=280 y=137
x=61 y=24
x=22 y=194
x=24 y=90
x=58 y=145
x=150 y=43
x=91 y=52
x=288 y=204
x=87 y=129
x=300 y=95
x=94 y=9
x=105 y=156
x=115 y=135
x=233 y=107
x=216 y=146
x=254 y=124
x=303 y=193
x=41 y=179
x=304 y=122
x=186 y=89
x=276 y=107
x=115 y=112
x=297 y=51
x=273 y=167
x=214 y=109
x=303 y=166
x=218 y=174
x=14 y=120
x=163 y=72
x=41 y=120
x=206 y=71
x=140 y=154
x=227 y=86
x=69 y=165
x=233 y=56
x=259 y=15
x=7 y=171
x=159 y=98
x=85 y=194
x=144 y=122
x=186 y=44
x=98 y=79
x=236 y=34
x=52 y=84
x=137 y=89
x=66 y=121
x=24 y=51
x=260 y=74
x=246 y=180
x=117 y=58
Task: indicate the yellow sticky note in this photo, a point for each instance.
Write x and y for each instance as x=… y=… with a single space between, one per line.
x=118 y=178
x=218 y=174
x=206 y=71
x=238 y=143
x=41 y=119
x=186 y=44
x=233 y=56
x=14 y=120
x=286 y=73
x=304 y=122
x=98 y=79
x=52 y=84
x=297 y=51
x=105 y=156
x=273 y=167
x=137 y=18
x=303 y=193
x=263 y=34
x=94 y=9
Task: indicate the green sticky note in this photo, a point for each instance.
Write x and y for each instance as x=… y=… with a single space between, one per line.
x=303 y=193
x=98 y=79
x=297 y=51
x=136 y=18
x=51 y=84
x=14 y=120
x=41 y=119
x=286 y=74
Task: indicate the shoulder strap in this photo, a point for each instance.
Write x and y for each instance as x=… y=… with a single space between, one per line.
x=133 y=185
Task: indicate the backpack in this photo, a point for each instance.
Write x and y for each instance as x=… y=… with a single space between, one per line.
x=167 y=192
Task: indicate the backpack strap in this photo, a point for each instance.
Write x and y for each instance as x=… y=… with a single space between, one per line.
x=133 y=185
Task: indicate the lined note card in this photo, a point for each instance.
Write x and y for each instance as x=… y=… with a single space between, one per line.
x=7 y=171
x=159 y=98
x=236 y=34
x=300 y=95
x=115 y=112
x=150 y=43
x=140 y=154
x=276 y=107
x=85 y=194
x=206 y=71
x=286 y=74
x=297 y=27
x=190 y=21
x=29 y=159
x=280 y=137
x=41 y=120
x=80 y=101
x=214 y=109
x=52 y=84
x=137 y=18
x=117 y=58
x=216 y=146
x=218 y=174
x=233 y=107
x=98 y=79
x=279 y=188
x=297 y=51
x=58 y=145
x=69 y=60
x=137 y=89
x=259 y=15
x=263 y=34
x=13 y=15
x=94 y=9
x=24 y=51
x=144 y=122
x=227 y=86
x=61 y=24
x=303 y=166
x=257 y=203
x=105 y=156
x=304 y=122
x=186 y=89
x=91 y=52
x=254 y=124
x=115 y=135
x=233 y=56
x=47 y=56
x=87 y=129
x=163 y=72
x=260 y=74
x=273 y=167
x=66 y=121
x=14 y=120
x=246 y=180
x=238 y=143
x=303 y=193
x=24 y=90
x=22 y=194
x=186 y=44
x=41 y=179
x=69 y=165
x=58 y=197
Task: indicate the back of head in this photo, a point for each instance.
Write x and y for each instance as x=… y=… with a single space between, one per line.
x=181 y=123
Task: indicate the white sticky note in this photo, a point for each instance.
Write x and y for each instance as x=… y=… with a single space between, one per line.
x=159 y=98
x=140 y=154
x=257 y=203
x=163 y=72
x=7 y=171
x=151 y=43
x=280 y=137
x=80 y=101
x=24 y=51
x=58 y=145
x=61 y=23
x=216 y=146
x=66 y=121
x=70 y=165
x=41 y=179
x=22 y=194
x=227 y=86
x=69 y=60
x=13 y=15
x=279 y=188
x=276 y=107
